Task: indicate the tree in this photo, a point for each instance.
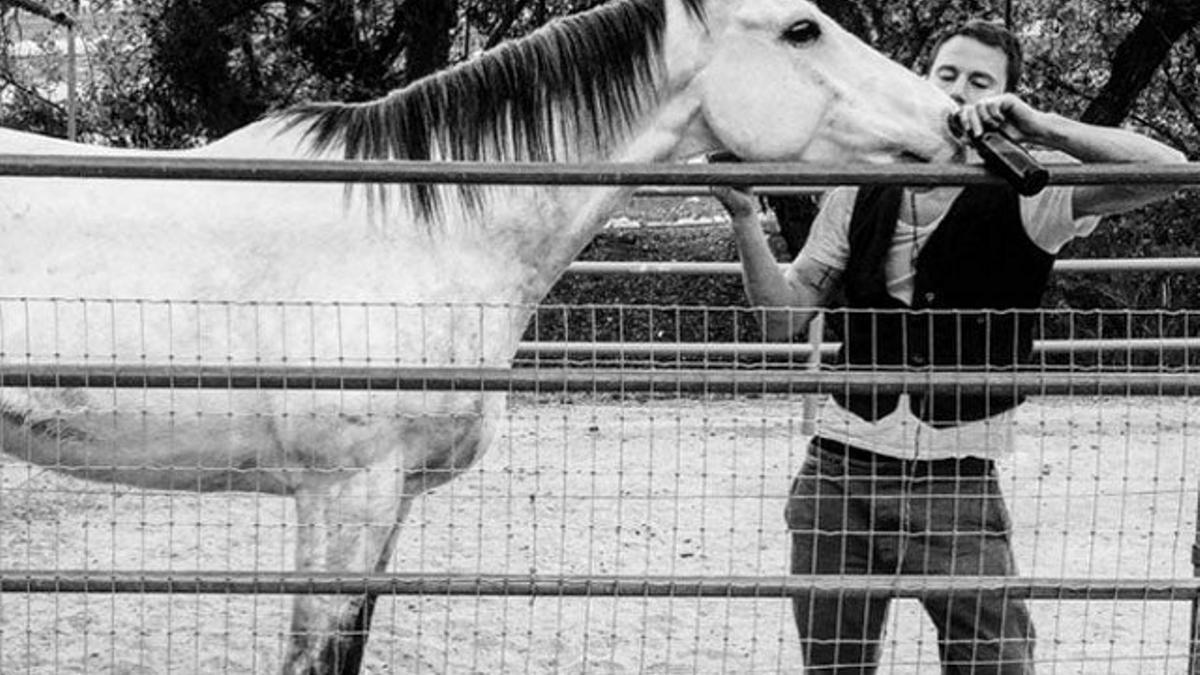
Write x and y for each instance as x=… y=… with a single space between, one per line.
x=1139 y=57
x=226 y=62
x=203 y=67
x=26 y=81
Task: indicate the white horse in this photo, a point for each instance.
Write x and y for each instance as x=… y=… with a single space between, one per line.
x=220 y=272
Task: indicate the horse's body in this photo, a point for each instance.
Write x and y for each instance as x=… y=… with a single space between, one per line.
x=299 y=274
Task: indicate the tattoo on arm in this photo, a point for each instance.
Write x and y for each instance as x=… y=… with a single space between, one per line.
x=825 y=278
x=820 y=280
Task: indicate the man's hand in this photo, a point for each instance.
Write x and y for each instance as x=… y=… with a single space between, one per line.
x=739 y=202
x=1007 y=113
x=1084 y=142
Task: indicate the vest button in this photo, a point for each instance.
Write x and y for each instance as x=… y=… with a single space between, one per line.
x=917 y=359
x=929 y=297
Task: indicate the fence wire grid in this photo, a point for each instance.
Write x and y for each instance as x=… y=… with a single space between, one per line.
x=611 y=527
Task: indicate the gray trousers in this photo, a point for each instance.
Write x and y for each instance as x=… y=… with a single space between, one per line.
x=850 y=516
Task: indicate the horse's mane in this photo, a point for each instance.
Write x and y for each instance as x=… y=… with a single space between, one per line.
x=579 y=78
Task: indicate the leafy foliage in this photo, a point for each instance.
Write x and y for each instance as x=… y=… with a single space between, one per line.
x=199 y=68
x=168 y=73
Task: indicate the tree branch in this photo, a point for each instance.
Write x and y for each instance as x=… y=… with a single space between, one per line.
x=33 y=7
x=1185 y=104
x=1139 y=56
x=1163 y=130
x=500 y=30
x=31 y=93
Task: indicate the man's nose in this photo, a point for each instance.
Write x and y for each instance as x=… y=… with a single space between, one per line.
x=957 y=91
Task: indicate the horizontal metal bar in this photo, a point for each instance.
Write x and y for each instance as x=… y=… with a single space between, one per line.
x=524 y=173
x=690 y=268
x=546 y=349
x=1126 y=345
x=91 y=581
x=629 y=224
x=701 y=191
x=721 y=268
x=557 y=379
x=725 y=350
x=1128 y=265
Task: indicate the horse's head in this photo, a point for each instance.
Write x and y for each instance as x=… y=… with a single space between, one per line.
x=784 y=82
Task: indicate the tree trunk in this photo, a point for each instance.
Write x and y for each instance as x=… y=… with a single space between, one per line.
x=428 y=25
x=1138 y=57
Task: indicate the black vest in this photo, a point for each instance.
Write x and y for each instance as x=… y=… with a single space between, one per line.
x=979 y=258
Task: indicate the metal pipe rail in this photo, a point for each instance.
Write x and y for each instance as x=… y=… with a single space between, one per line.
x=721 y=587
x=546 y=380
x=557 y=379
x=546 y=173
x=1076 y=266
x=731 y=350
x=700 y=191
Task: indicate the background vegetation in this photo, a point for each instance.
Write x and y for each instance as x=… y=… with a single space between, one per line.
x=173 y=73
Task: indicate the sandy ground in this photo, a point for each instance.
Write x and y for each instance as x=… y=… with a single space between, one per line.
x=1098 y=488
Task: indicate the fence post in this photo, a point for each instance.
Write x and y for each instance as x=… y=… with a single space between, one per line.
x=72 y=94
x=1194 y=635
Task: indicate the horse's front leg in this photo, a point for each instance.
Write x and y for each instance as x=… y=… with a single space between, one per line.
x=348 y=526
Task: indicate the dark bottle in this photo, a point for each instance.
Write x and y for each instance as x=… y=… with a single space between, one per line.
x=1005 y=157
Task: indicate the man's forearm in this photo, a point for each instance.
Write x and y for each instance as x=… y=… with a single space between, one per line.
x=765 y=283
x=1091 y=143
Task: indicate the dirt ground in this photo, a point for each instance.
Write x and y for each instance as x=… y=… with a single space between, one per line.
x=1098 y=489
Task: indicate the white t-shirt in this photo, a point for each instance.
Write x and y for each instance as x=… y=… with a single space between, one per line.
x=1050 y=223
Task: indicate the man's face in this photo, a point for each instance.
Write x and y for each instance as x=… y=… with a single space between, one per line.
x=969 y=70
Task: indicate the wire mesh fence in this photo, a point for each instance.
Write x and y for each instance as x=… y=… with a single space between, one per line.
x=628 y=516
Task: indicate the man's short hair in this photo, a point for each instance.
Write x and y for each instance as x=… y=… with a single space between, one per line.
x=992 y=35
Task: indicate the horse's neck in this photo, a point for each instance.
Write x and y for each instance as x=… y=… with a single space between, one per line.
x=569 y=217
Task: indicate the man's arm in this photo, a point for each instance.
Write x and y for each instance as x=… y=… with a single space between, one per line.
x=1090 y=143
x=1085 y=142
x=804 y=286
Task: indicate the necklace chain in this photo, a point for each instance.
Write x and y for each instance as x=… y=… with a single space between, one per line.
x=913 y=223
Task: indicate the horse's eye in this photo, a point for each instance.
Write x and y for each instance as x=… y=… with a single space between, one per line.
x=802 y=32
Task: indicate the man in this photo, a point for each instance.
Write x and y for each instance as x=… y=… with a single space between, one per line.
x=906 y=484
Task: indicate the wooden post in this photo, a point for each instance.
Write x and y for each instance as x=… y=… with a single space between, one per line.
x=72 y=70
x=1194 y=635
